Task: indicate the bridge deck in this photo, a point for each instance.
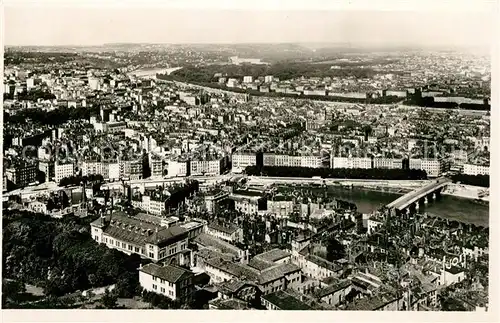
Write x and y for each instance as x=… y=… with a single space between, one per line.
x=413 y=196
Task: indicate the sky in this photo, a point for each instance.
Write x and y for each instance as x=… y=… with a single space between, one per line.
x=72 y=25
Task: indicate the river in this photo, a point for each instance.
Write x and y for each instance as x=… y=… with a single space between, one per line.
x=151 y=72
x=450 y=207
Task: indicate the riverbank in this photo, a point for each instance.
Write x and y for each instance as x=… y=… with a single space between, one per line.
x=476 y=193
x=480 y=194
x=151 y=72
x=341 y=182
x=386 y=101
x=386 y=189
x=466 y=210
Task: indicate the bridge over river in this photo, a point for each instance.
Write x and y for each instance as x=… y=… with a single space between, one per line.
x=421 y=193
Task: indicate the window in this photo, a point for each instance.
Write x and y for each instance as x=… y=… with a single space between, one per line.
x=124 y=245
x=162 y=289
x=155 y=278
x=162 y=281
x=171 y=293
x=155 y=287
x=96 y=238
x=117 y=243
x=151 y=255
x=137 y=249
x=130 y=247
x=106 y=240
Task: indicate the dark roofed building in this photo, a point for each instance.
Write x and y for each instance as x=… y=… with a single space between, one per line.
x=206 y=240
x=221 y=270
x=282 y=300
x=279 y=277
x=171 y=281
x=226 y=231
x=131 y=235
x=260 y=264
x=166 y=236
x=240 y=289
x=384 y=302
x=275 y=256
x=335 y=293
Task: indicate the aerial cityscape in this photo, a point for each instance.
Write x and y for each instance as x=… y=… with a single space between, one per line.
x=329 y=175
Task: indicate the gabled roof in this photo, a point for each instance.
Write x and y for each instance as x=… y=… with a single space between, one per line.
x=277 y=272
x=273 y=255
x=207 y=253
x=285 y=301
x=234 y=286
x=99 y=223
x=333 y=288
x=260 y=264
x=207 y=240
x=170 y=273
x=321 y=262
x=167 y=236
x=371 y=303
x=234 y=269
x=226 y=228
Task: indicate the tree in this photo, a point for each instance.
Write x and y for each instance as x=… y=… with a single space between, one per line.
x=334 y=250
x=34 y=245
x=127 y=285
x=109 y=300
x=11 y=288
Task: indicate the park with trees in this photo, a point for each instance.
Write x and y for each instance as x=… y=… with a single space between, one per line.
x=52 y=118
x=475 y=180
x=60 y=256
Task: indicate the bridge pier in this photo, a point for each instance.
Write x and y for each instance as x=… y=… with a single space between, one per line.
x=420 y=195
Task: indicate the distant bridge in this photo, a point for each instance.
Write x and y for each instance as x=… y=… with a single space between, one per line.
x=416 y=195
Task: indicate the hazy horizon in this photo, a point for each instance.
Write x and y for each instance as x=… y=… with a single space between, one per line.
x=66 y=26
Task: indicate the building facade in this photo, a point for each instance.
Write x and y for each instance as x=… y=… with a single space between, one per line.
x=173 y=282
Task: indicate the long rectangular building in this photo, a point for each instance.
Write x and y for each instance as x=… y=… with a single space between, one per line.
x=147 y=239
x=312 y=161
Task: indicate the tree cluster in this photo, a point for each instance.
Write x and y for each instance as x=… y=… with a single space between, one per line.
x=34 y=95
x=353 y=173
x=281 y=70
x=179 y=194
x=59 y=202
x=41 y=57
x=52 y=118
x=78 y=180
x=475 y=180
x=334 y=250
x=160 y=301
x=61 y=256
